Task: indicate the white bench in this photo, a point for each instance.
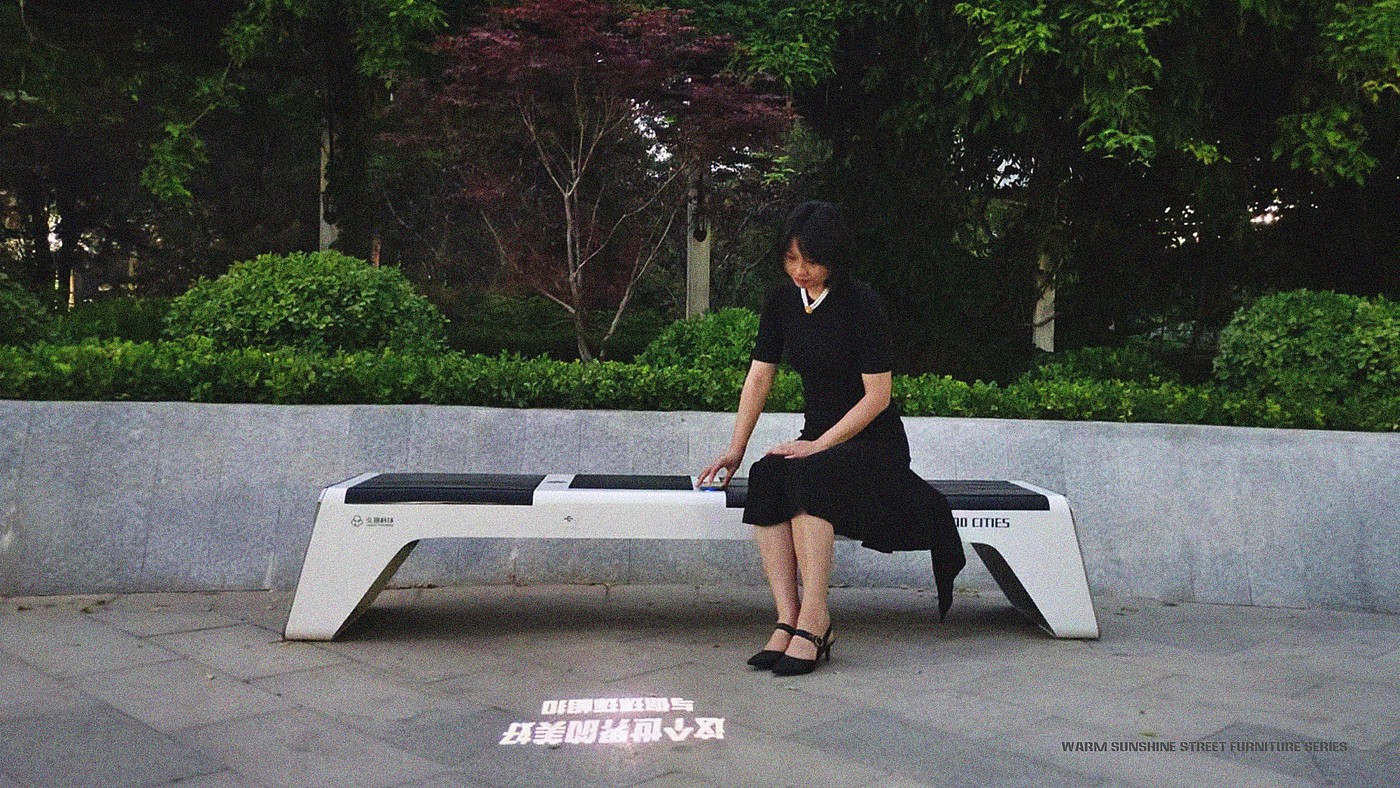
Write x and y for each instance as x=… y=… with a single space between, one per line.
x=366 y=526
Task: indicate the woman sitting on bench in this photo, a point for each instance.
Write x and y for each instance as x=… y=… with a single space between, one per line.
x=848 y=472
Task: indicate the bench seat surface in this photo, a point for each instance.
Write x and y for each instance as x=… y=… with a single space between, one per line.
x=518 y=489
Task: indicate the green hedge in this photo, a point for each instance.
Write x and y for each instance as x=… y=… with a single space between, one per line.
x=1132 y=362
x=136 y=319
x=194 y=370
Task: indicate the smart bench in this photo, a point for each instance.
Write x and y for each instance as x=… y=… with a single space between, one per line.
x=366 y=526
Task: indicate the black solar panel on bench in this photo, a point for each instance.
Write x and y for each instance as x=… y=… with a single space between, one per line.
x=965 y=495
x=990 y=495
x=510 y=489
x=604 y=481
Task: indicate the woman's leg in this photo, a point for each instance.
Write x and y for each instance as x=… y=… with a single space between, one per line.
x=775 y=545
x=813 y=540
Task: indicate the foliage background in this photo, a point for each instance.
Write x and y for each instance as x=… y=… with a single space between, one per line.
x=1160 y=163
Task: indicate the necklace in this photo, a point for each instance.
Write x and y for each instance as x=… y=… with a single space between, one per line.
x=810 y=304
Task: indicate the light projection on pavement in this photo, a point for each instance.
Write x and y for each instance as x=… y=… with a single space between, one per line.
x=614 y=721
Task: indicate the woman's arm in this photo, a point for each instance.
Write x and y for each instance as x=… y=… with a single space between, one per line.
x=876 y=399
x=757 y=384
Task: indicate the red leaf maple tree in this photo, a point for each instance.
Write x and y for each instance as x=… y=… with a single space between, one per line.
x=573 y=127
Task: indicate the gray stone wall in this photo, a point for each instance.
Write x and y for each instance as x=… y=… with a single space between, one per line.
x=124 y=497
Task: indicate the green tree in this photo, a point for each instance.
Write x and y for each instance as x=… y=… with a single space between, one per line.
x=1017 y=132
x=86 y=93
x=359 y=48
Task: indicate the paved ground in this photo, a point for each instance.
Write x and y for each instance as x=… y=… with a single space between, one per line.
x=473 y=687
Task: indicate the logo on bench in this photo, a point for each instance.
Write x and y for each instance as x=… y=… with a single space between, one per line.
x=983 y=522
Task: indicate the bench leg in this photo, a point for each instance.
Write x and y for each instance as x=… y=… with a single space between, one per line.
x=338 y=583
x=1050 y=590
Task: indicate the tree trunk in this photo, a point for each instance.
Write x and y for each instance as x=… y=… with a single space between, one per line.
x=345 y=214
x=68 y=258
x=34 y=211
x=697 y=249
x=329 y=231
x=1043 y=321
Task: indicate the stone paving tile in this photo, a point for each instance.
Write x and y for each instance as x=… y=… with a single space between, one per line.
x=1127 y=714
x=521 y=689
x=1318 y=717
x=300 y=748
x=349 y=693
x=178 y=694
x=1247 y=671
x=444 y=780
x=676 y=780
x=1203 y=635
x=468 y=739
x=1354 y=698
x=265 y=609
x=418 y=659
x=751 y=758
x=157 y=619
x=430 y=679
x=898 y=781
x=73 y=644
x=52 y=604
x=1365 y=733
x=1046 y=741
x=1315 y=761
x=93 y=745
x=755 y=699
x=23 y=687
x=888 y=741
x=1091 y=662
x=1333 y=641
x=224 y=779
x=246 y=651
x=436 y=613
x=968 y=716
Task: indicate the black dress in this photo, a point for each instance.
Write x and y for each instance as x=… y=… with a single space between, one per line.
x=863 y=486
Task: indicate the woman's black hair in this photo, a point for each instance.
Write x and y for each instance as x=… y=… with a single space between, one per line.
x=822 y=237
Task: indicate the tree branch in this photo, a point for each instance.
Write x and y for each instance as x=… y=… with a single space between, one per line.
x=629 y=214
x=510 y=263
x=637 y=273
x=545 y=159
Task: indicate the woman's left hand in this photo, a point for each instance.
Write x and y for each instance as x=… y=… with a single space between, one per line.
x=795 y=449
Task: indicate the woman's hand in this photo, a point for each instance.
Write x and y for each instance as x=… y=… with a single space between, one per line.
x=796 y=449
x=728 y=462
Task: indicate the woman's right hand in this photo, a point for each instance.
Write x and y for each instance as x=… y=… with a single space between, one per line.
x=728 y=462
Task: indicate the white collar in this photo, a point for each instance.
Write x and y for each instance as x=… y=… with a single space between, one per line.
x=809 y=304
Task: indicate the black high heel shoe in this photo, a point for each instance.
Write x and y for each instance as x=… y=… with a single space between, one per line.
x=767 y=658
x=792 y=666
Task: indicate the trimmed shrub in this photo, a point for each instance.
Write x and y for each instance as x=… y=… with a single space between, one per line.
x=1313 y=346
x=717 y=340
x=26 y=319
x=134 y=319
x=319 y=301
x=1131 y=362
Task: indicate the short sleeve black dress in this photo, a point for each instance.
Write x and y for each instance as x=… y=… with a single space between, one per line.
x=864 y=486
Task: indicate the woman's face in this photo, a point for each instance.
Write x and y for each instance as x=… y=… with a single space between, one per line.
x=805 y=273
